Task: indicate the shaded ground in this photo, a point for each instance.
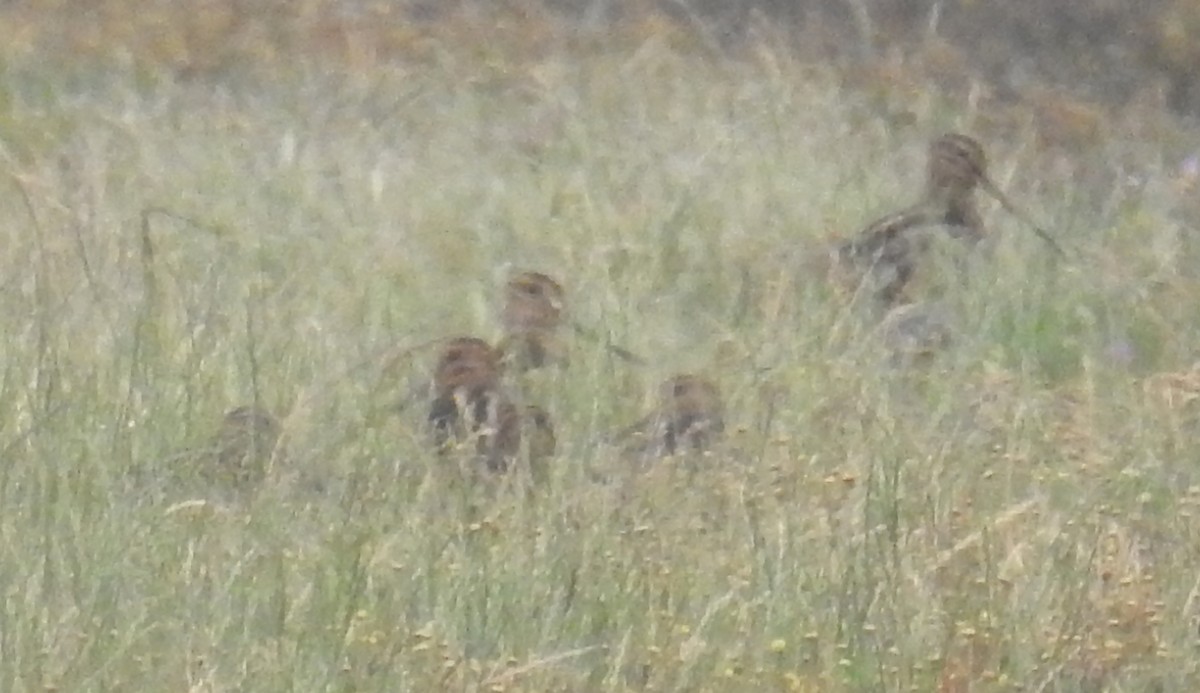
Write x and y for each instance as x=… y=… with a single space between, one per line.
x=1104 y=50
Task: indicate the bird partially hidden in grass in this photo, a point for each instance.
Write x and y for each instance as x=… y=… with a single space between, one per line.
x=915 y=333
x=882 y=258
x=240 y=454
x=689 y=417
x=532 y=317
x=471 y=408
x=466 y=383
x=467 y=362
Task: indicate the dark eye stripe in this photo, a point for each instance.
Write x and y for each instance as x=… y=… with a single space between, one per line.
x=959 y=150
x=535 y=282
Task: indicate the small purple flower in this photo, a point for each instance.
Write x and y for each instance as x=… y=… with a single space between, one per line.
x=1120 y=351
x=1190 y=167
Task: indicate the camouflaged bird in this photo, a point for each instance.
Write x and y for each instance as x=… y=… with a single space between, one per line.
x=533 y=314
x=465 y=381
x=689 y=417
x=470 y=406
x=882 y=258
x=915 y=333
x=241 y=452
x=467 y=362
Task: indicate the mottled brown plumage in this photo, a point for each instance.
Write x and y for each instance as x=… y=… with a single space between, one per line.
x=241 y=450
x=466 y=379
x=690 y=416
x=533 y=314
x=470 y=405
x=533 y=301
x=882 y=258
x=467 y=362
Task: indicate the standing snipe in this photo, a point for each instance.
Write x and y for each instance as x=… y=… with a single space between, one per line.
x=470 y=405
x=465 y=382
x=885 y=253
x=689 y=417
x=533 y=313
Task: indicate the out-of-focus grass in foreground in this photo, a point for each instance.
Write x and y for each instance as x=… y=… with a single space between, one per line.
x=1020 y=516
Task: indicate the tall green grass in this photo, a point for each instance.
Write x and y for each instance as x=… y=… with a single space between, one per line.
x=1021 y=515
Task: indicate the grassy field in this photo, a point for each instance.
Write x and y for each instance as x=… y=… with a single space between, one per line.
x=1020 y=516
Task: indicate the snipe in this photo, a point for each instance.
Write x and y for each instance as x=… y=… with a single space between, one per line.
x=240 y=453
x=690 y=416
x=883 y=257
x=532 y=317
x=470 y=405
x=466 y=380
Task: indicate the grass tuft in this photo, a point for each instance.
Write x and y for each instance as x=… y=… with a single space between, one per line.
x=1017 y=513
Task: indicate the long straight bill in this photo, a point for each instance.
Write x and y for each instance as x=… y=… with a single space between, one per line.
x=995 y=192
x=621 y=352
